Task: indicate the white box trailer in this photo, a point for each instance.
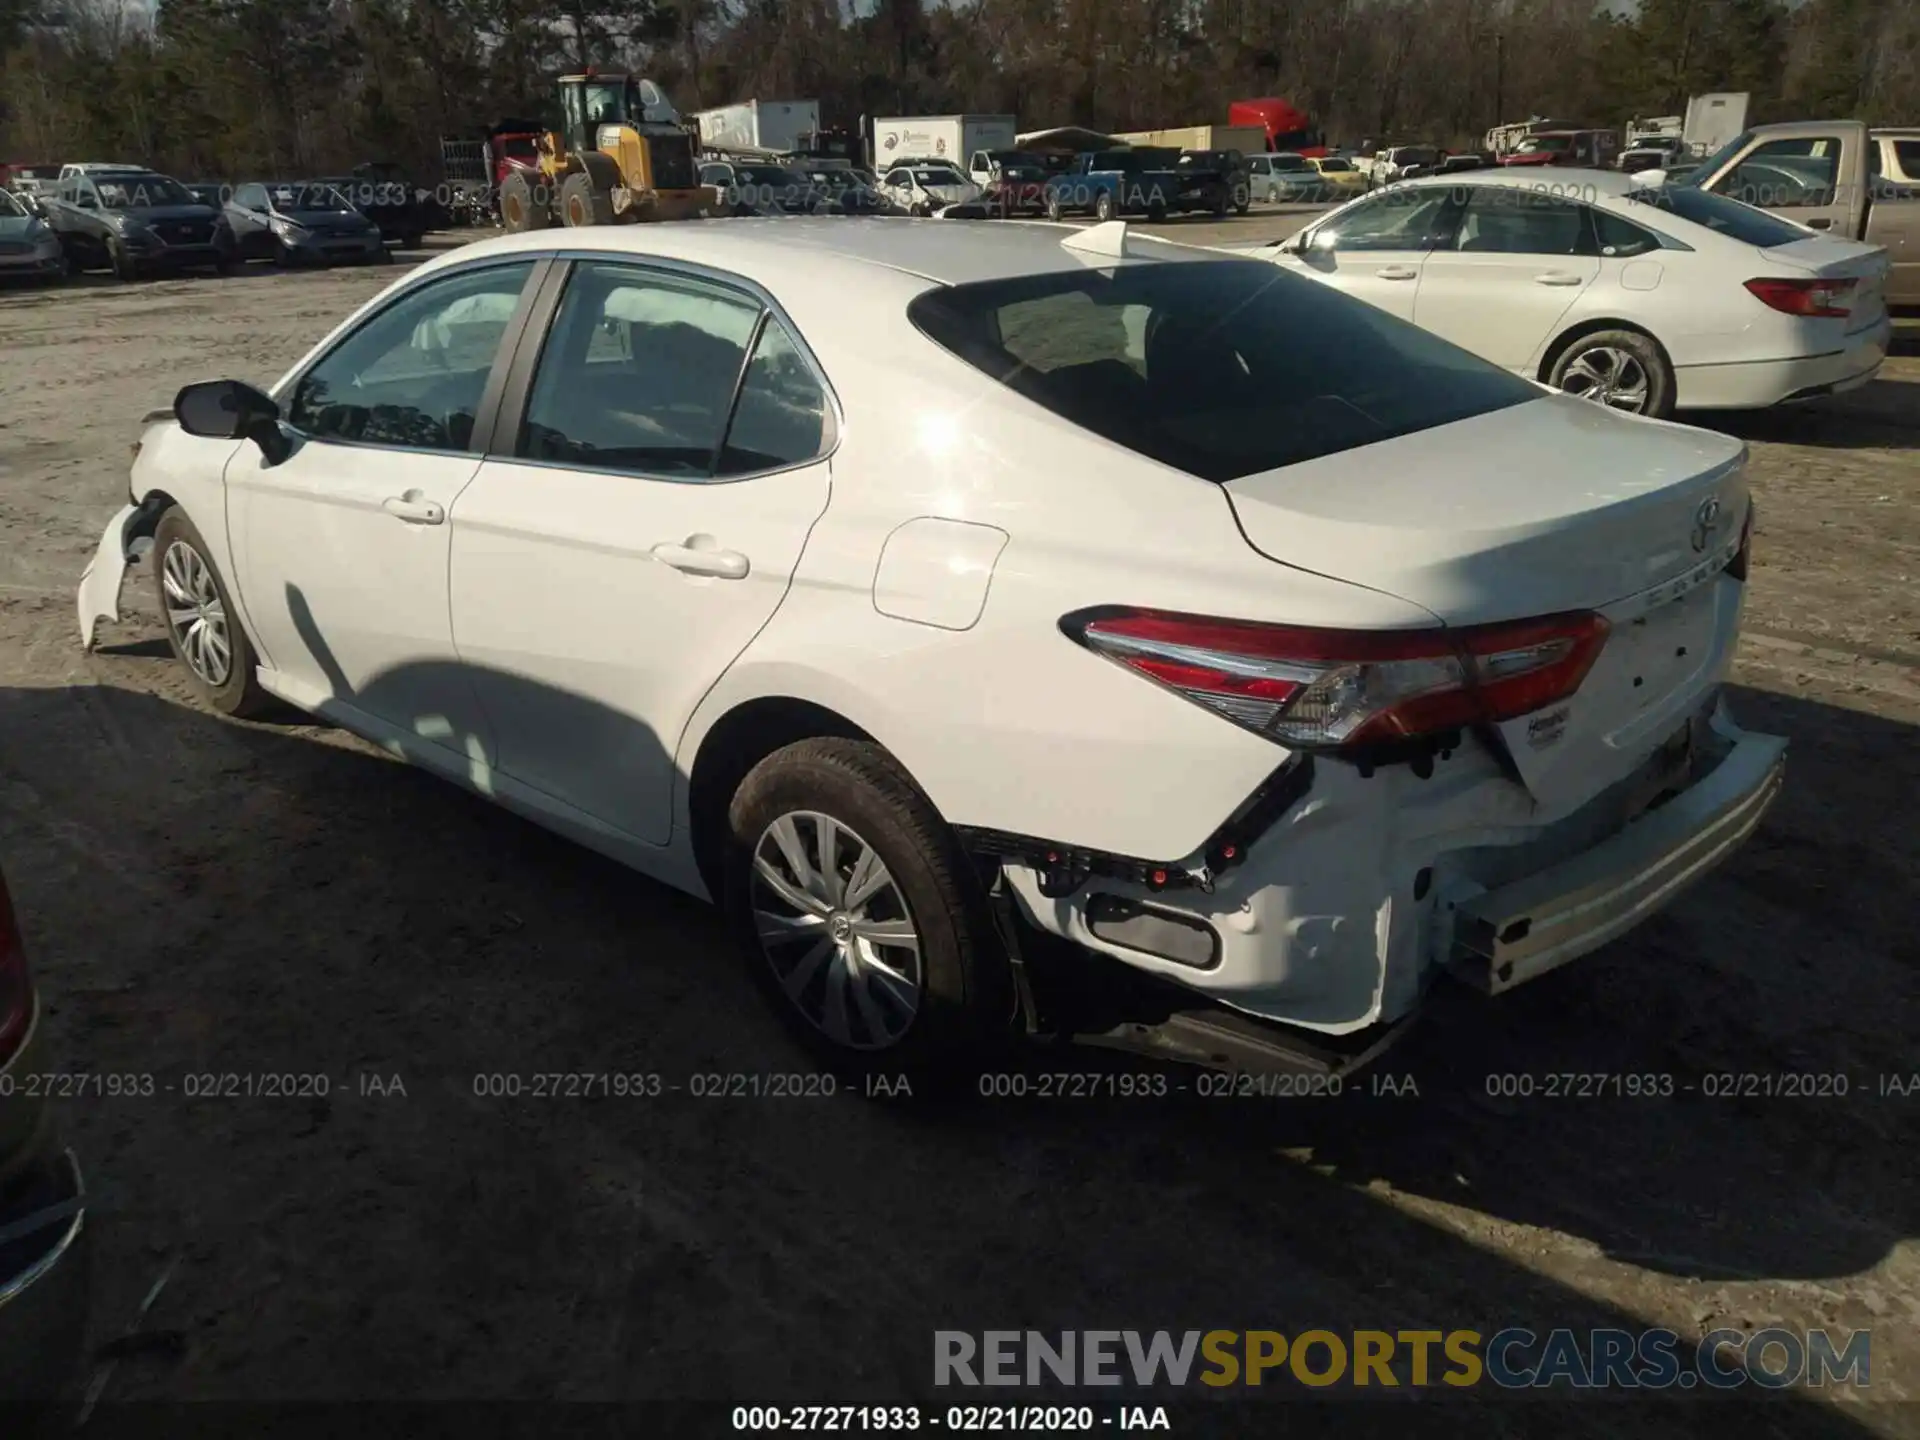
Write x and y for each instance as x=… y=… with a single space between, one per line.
x=939 y=137
x=1247 y=139
x=758 y=124
x=1713 y=120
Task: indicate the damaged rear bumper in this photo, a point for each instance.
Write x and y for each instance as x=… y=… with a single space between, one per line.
x=1347 y=898
x=1507 y=936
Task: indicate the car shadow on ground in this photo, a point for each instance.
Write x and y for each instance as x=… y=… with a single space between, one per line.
x=1881 y=415
x=203 y=896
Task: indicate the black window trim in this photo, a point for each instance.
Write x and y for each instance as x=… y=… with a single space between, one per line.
x=532 y=340
x=484 y=417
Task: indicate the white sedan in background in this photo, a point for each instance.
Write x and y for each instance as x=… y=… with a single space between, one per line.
x=1015 y=626
x=1646 y=298
x=924 y=187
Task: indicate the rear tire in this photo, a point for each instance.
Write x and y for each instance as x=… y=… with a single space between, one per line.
x=1055 y=211
x=1621 y=369
x=876 y=947
x=203 y=627
x=583 y=203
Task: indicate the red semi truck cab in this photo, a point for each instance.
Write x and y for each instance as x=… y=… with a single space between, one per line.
x=1287 y=127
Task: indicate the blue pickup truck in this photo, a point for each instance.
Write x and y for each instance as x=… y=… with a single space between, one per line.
x=1112 y=183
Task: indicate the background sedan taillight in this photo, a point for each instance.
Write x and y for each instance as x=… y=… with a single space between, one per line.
x=16 y=990
x=1325 y=689
x=1818 y=299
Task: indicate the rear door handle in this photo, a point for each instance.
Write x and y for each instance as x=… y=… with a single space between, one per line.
x=722 y=564
x=1558 y=277
x=415 y=509
x=1398 y=272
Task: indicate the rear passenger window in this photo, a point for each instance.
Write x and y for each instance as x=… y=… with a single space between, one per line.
x=1504 y=221
x=1618 y=238
x=781 y=417
x=638 y=373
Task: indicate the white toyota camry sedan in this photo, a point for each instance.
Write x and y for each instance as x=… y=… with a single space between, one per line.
x=1649 y=299
x=1011 y=627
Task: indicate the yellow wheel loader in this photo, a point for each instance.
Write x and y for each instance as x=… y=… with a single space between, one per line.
x=619 y=156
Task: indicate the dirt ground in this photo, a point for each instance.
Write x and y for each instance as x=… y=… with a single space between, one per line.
x=203 y=896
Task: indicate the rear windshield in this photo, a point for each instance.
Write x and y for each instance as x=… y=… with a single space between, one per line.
x=1729 y=217
x=1221 y=368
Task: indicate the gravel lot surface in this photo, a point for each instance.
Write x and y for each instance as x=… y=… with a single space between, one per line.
x=203 y=896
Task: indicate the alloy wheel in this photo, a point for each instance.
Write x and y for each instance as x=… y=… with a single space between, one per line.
x=196 y=614
x=835 y=927
x=1608 y=377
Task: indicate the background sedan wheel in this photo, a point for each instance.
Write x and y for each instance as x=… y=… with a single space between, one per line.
x=859 y=915
x=1621 y=369
x=202 y=626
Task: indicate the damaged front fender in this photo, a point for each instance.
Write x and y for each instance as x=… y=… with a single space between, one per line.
x=126 y=537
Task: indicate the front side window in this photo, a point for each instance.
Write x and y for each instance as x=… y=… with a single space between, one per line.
x=1397 y=220
x=1220 y=368
x=638 y=373
x=251 y=197
x=1503 y=220
x=413 y=375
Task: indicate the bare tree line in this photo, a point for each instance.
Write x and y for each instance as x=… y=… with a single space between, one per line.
x=217 y=87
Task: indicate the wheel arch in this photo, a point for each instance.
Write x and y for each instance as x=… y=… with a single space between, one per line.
x=740 y=739
x=1560 y=343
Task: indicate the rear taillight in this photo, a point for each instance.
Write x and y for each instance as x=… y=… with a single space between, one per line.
x=16 y=990
x=1330 y=689
x=1820 y=299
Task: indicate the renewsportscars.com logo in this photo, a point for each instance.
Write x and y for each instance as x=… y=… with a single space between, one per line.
x=1512 y=1358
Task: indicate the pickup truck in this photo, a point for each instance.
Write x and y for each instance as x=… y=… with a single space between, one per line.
x=1112 y=183
x=1383 y=167
x=1839 y=177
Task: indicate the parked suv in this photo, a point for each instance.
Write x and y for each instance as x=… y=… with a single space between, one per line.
x=134 y=221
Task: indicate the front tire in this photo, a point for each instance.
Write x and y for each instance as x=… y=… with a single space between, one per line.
x=1621 y=369
x=203 y=627
x=125 y=267
x=859 y=915
x=1055 y=211
x=582 y=203
x=1103 y=206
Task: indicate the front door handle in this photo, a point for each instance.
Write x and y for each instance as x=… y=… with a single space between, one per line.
x=1398 y=272
x=1558 y=277
x=1820 y=222
x=721 y=564
x=415 y=509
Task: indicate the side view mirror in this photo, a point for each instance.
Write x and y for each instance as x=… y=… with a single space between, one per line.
x=233 y=410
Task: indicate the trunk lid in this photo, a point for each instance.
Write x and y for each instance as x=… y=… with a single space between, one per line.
x=1553 y=505
x=1556 y=504
x=1831 y=259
